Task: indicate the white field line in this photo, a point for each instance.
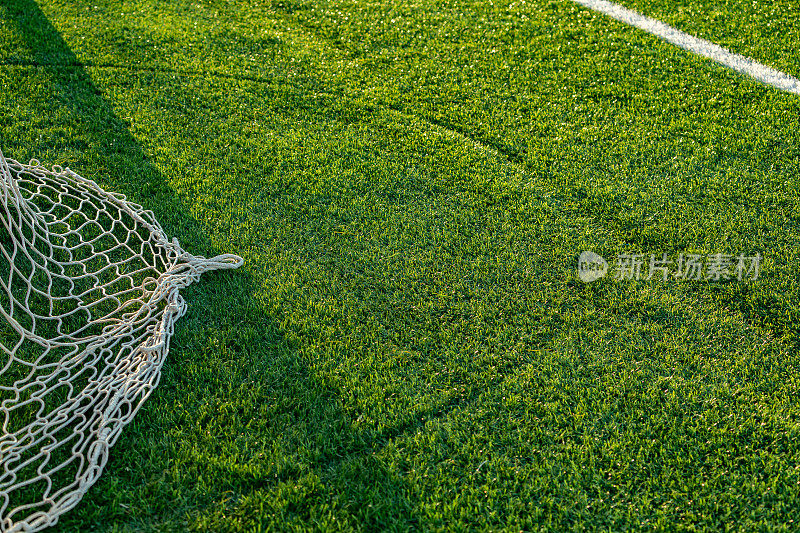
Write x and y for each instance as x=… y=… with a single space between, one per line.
x=737 y=62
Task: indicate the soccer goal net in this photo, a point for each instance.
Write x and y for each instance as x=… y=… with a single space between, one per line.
x=89 y=295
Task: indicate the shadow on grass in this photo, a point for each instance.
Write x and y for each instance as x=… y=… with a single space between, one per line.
x=238 y=415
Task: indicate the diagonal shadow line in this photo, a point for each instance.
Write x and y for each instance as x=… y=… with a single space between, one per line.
x=108 y=146
x=110 y=141
x=127 y=169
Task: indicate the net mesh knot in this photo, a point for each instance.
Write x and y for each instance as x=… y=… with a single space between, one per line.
x=89 y=296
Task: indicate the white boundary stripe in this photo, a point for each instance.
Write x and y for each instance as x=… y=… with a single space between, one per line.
x=737 y=62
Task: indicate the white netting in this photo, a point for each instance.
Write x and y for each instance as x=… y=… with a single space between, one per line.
x=88 y=296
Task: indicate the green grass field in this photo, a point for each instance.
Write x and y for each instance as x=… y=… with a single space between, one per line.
x=407 y=345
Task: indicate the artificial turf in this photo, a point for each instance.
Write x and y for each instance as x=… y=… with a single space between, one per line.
x=407 y=345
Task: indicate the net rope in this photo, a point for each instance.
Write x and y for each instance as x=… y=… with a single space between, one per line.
x=89 y=295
